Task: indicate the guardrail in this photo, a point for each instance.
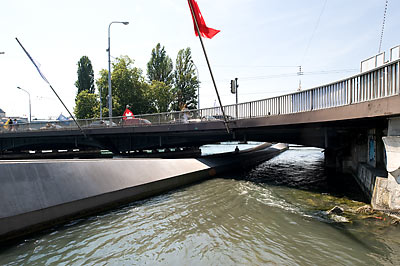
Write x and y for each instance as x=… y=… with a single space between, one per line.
x=383 y=81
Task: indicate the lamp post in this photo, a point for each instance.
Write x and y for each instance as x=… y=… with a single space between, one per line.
x=109 y=68
x=101 y=112
x=198 y=88
x=30 y=114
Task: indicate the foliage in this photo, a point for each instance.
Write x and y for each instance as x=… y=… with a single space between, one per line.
x=186 y=81
x=85 y=73
x=102 y=86
x=128 y=86
x=87 y=105
x=160 y=66
x=160 y=96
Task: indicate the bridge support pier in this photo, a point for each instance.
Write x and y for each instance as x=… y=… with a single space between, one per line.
x=373 y=157
x=386 y=195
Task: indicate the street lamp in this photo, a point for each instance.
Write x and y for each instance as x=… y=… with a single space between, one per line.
x=109 y=68
x=198 y=88
x=30 y=117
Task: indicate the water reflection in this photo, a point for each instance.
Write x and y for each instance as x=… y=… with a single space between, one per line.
x=273 y=214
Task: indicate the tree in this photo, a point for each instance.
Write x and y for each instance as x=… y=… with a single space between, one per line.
x=160 y=96
x=186 y=81
x=86 y=106
x=128 y=87
x=85 y=80
x=160 y=66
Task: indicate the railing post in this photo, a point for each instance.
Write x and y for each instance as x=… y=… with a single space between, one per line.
x=312 y=100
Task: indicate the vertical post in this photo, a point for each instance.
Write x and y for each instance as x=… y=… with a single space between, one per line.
x=209 y=67
x=109 y=69
x=237 y=101
x=29 y=97
x=30 y=111
x=109 y=75
x=101 y=112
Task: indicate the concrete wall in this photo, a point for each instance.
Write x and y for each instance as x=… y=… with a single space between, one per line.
x=37 y=194
x=387 y=191
x=374 y=160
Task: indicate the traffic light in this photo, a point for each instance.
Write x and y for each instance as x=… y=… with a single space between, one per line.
x=234 y=85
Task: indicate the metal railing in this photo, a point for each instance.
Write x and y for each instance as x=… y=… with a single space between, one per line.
x=383 y=81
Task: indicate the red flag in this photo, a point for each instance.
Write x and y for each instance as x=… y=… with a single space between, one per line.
x=128 y=114
x=204 y=30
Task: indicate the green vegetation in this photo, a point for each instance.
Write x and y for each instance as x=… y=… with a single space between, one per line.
x=160 y=66
x=86 y=105
x=85 y=80
x=185 y=81
x=164 y=90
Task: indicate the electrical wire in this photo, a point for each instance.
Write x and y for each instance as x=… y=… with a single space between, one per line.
x=383 y=26
x=293 y=74
x=315 y=29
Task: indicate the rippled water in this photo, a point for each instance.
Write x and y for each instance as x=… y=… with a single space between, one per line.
x=273 y=214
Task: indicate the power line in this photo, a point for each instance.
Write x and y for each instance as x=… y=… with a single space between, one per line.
x=253 y=66
x=383 y=26
x=293 y=74
x=315 y=29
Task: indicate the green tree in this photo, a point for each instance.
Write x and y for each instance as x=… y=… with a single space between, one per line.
x=86 y=106
x=186 y=81
x=160 y=66
x=102 y=86
x=85 y=80
x=128 y=87
x=160 y=96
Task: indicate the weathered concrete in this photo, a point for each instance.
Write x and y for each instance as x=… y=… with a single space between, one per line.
x=37 y=194
x=387 y=191
x=366 y=178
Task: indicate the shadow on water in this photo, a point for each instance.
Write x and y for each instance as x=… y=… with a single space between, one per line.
x=311 y=177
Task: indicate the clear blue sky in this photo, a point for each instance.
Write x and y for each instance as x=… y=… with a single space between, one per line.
x=261 y=42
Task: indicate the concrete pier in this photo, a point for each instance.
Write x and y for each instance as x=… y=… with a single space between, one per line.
x=373 y=158
x=38 y=194
x=386 y=194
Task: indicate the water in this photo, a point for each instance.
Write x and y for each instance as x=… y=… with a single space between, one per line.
x=273 y=214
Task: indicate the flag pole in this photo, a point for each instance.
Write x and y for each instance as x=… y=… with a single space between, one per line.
x=44 y=78
x=209 y=66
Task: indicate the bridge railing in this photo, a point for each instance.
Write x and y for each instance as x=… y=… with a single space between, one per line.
x=380 y=82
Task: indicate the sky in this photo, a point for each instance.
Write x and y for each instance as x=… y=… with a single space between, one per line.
x=262 y=43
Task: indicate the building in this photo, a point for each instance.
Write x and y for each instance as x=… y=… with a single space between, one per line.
x=2 y=113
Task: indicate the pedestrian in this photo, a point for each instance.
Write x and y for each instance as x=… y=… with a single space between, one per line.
x=10 y=123
x=15 y=125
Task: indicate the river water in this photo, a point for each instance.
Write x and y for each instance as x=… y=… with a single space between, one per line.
x=273 y=214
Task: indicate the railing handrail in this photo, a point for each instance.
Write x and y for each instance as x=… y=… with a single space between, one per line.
x=368 y=85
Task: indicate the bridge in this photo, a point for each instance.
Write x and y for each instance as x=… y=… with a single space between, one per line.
x=321 y=117
x=355 y=120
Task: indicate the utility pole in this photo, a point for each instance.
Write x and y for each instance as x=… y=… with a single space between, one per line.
x=300 y=73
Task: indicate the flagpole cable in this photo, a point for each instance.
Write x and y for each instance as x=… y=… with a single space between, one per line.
x=52 y=89
x=76 y=122
x=209 y=67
